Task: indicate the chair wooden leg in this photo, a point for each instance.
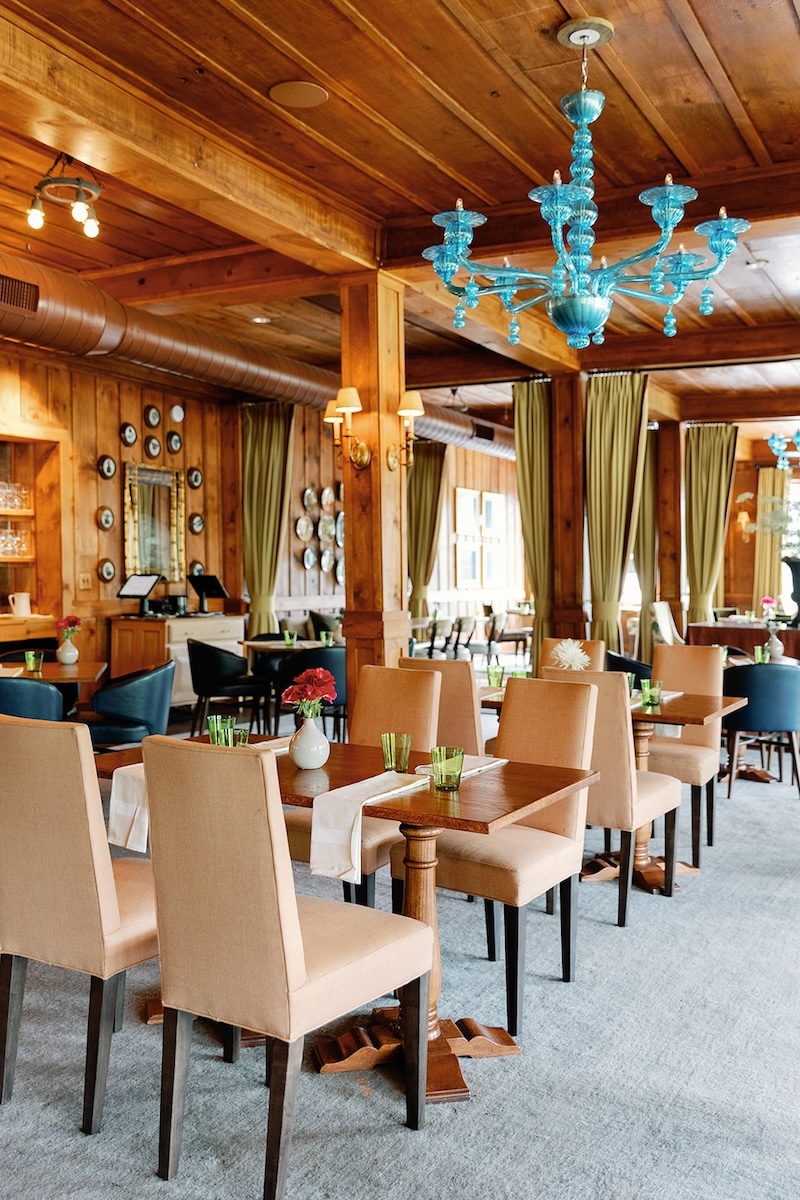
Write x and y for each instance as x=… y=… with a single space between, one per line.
x=284 y=1075
x=670 y=825
x=119 y=1011
x=231 y=1043
x=12 y=989
x=514 y=923
x=177 y=1038
x=733 y=758
x=568 y=891
x=711 y=793
x=415 y=1048
x=794 y=748
x=696 y=794
x=625 y=875
x=361 y=893
x=102 y=1013
x=491 y=909
x=398 y=888
x=607 y=840
x=550 y=901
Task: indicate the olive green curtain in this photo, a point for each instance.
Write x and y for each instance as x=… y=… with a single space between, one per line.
x=616 y=435
x=767 y=568
x=532 y=408
x=710 y=451
x=645 y=546
x=426 y=484
x=268 y=440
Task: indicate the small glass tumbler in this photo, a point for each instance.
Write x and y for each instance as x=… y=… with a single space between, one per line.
x=213 y=729
x=761 y=654
x=631 y=678
x=326 y=637
x=289 y=637
x=227 y=729
x=651 y=692
x=34 y=660
x=495 y=676
x=241 y=737
x=396 y=749
x=520 y=674
x=448 y=762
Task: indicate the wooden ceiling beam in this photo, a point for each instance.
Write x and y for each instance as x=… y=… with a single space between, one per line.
x=470 y=367
x=706 y=347
x=59 y=102
x=768 y=407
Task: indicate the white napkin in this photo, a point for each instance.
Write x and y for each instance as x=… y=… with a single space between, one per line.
x=665 y=696
x=336 y=819
x=473 y=765
x=276 y=745
x=128 y=815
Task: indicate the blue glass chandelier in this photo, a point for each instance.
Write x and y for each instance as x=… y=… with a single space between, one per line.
x=577 y=296
x=779 y=445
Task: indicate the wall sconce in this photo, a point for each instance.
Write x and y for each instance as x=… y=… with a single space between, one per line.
x=743 y=521
x=338 y=413
x=79 y=194
x=410 y=406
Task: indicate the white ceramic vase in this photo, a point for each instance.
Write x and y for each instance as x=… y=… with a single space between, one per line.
x=775 y=646
x=67 y=652
x=309 y=748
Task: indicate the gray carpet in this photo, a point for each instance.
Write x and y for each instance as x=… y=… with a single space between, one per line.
x=670 y=1069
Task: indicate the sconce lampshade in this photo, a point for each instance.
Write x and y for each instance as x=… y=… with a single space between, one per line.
x=411 y=405
x=332 y=414
x=348 y=400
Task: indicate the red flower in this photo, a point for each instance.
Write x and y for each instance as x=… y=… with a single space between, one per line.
x=310 y=690
x=69 y=625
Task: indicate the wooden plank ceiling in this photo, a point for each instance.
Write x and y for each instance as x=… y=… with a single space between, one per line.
x=221 y=206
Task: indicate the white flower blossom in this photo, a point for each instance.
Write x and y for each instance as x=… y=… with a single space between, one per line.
x=570 y=655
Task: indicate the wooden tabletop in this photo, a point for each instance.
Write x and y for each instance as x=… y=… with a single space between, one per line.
x=82 y=671
x=689 y=709
x=272 y=647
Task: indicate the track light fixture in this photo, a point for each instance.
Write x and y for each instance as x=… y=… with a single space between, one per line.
x=73 y=191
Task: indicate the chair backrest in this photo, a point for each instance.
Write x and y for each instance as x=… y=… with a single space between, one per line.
x=58 y=901
x=721 y=613
x=463 y=629
x=612 y=798
x=459 y=704
x=142 y=697
x=228 y=927
x=31 y=698
x=596 y=651
x=302 y=626
x=213 y=666
x=696 y=670
x=632 y=666
x=664 y=628
x=541 y=723
x=390 y=699
x=773 y=697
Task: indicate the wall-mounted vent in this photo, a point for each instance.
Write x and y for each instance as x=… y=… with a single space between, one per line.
x=484 y=431
x=16 y=293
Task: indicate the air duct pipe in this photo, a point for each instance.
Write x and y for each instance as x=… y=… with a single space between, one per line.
x=56 y=311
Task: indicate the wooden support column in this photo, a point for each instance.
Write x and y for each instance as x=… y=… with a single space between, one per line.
x=376 y=623
x=669 y=490
x=568 y=488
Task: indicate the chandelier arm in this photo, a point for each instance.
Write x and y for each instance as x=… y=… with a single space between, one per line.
x=512 y=274
x=667 y=300
x=523 y=305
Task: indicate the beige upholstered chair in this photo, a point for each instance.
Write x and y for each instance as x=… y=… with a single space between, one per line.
x=239 y=946
x=62 y=899
x=459 y=705
x=596 y=651
x=540 y=723
x=624 y=798
x=692 y=758
x=387 y=699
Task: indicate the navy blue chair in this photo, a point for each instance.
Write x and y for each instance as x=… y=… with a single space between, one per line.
x=220 y=674
x=132 y=707
x=631 y=666
x=31 y=698
x=772 y=691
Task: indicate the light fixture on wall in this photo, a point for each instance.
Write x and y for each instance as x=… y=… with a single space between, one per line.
x=410 y=406
x=743 y=524
x=73 y=191
x=779 y=445
x=578 y=298
x=339 y=414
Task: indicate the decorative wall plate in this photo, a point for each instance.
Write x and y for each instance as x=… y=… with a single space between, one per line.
x=152 y=416
x=106 y=570
x=177 y=413
x=106 y=466
x=340 y=570
x=174 y=442
x=326 y=560
x=309 y=557
x=196 y=523
x=196 y=568
x=340 y=529
x=152 y=447
x=127 y=434
x=304 y=528
x=104 y=518
x=326 y=529
x=194 y=477
x=327 y=499
x=310 y=500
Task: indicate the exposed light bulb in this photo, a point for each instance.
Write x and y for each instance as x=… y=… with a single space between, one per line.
x=80 y=209
x=91 y=226
x=36 y=213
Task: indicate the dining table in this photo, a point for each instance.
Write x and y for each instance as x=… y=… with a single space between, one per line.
x=83 y=671
x=485 y=802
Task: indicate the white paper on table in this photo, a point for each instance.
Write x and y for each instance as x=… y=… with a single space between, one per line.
x=336 y=821
x=473 y=765
x=128 y=813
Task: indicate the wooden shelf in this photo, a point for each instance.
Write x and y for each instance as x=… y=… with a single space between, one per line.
x=16 y=512
x=13 y=559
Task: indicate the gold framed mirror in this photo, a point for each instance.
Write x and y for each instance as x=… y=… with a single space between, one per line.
x=155 y=522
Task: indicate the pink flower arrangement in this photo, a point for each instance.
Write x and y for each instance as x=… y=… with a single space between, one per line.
x=767 y=601
x=310 y=690
x=68 y=626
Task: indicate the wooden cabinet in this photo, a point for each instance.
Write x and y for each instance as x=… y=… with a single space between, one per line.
x=139 y=643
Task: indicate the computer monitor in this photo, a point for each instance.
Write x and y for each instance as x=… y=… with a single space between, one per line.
x=207 y=587
x=139 y=587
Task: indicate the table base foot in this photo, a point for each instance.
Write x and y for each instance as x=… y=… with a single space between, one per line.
x=650 y=876
x=468 y=1038
x=363 y=1046
x=601 y=868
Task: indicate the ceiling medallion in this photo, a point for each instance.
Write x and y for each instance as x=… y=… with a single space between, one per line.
x=578 y=297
